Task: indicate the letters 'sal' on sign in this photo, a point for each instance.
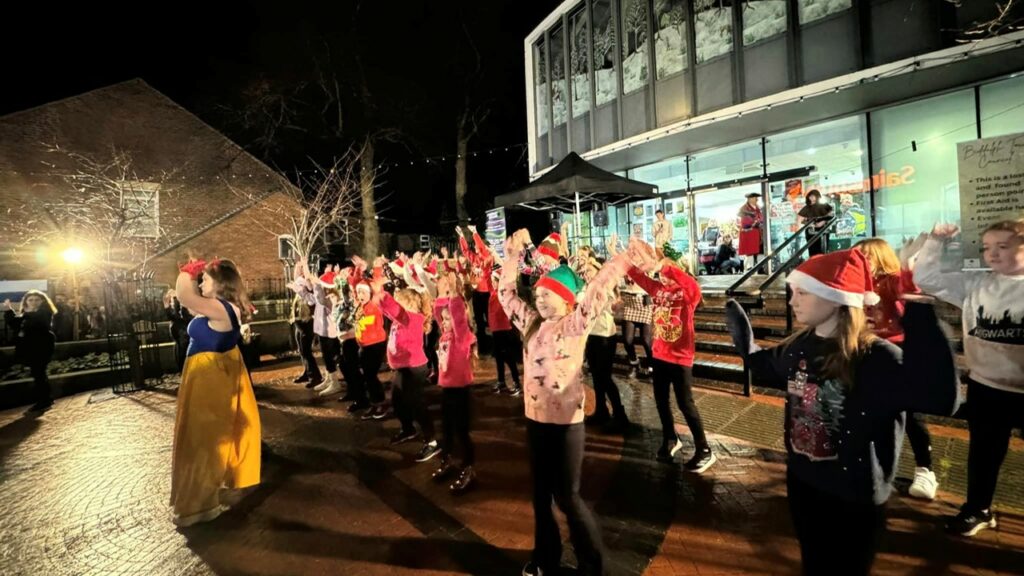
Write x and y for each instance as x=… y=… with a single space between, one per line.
x=991 y=174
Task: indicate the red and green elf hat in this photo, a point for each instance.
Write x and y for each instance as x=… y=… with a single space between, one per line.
x=564 y=282
x=551 y=246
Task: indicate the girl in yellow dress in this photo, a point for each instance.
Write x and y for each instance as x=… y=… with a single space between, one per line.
x=217 y=429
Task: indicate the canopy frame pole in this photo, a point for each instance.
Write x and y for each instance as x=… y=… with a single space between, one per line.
x=576 y=221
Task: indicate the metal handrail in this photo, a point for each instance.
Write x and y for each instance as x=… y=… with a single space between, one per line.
x=796 y=256
x=731 y=290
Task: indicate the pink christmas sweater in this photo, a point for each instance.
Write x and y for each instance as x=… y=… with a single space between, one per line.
x=455 y=347
x=552 y=390
x=405 y=343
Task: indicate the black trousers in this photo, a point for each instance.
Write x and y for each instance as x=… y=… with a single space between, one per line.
x=351 y=371
x=680 y=379
x=407 y=397
x=370 y=359
x=455 y=416
x=40 y=380
x=304 y=340
x=505 y=352
x=836 y=537
x=600 y=354
x=818 y=247
x=480 y=300
x=629 y=329
x=181 y=343
x=991 y=417
x=331 y=351
x=556 y=458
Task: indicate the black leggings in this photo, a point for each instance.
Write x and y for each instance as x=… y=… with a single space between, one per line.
x=430 y=346
x=556 y=459
x=455 y=417
x=407 y=398
x=600 y=354
x=505 y=345
x=680 y=379
x=370 y=359
x=629 y=329
x=304 y=340
x=991 y=416
x=836 y=536
x=818 y=247
x=920 y=440
x=354 y=386
x=330 y=349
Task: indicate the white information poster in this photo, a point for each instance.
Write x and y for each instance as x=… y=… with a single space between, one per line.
x=991 y=174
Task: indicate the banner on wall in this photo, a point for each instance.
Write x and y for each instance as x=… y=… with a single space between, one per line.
x=495 y=233
x=991 y=178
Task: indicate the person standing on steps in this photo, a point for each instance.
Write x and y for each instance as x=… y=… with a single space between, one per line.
x=751 y=230
x=819 y=213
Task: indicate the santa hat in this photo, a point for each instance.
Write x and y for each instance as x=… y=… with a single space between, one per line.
x=843 y=277
x=551 y=246
x=397 y=267
x=364 y=284
x=564 y=282
x=327 y=278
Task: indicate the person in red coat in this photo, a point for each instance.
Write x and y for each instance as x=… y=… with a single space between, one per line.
x=751 y=225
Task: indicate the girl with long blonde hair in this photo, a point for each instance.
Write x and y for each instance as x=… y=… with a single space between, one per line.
x=846 y=393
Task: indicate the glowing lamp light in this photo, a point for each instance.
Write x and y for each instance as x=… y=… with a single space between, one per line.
x=73 y=256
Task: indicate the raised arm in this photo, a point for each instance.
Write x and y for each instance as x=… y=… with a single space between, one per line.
x=519 y=312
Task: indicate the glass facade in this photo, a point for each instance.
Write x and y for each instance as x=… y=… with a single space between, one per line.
x=913 y=151
x=889 y=172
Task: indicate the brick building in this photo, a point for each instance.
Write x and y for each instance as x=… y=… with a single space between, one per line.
x=203 y=194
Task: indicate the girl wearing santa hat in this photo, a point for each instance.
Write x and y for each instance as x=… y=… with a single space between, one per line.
x=846 y=393
x=555 y=332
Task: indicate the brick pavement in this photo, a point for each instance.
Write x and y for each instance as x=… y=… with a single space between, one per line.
x=85 y=491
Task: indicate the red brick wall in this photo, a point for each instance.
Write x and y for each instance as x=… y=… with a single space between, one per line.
x=248 y=238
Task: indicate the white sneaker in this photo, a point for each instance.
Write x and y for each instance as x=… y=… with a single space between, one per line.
x=327 y=383
x=924 y=485
x=333 y=388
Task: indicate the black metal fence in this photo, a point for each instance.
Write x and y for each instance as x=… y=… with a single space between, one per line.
x=134 y=307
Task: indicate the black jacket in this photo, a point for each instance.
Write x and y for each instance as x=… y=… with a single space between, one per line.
x=34 y=339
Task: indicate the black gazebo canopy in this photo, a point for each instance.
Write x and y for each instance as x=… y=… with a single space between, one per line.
x=575 y=185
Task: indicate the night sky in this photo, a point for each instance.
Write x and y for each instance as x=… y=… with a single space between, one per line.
x=417 y=63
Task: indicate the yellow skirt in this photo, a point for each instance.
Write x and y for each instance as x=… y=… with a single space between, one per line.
x=216 y=434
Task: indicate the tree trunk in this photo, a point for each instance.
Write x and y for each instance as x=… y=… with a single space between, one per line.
x=371 y=231
x=460 y=175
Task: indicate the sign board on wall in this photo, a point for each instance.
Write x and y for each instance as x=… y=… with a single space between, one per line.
x=991 y=174
x=495 y=232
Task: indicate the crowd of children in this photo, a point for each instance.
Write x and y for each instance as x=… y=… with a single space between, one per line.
x=871 y=356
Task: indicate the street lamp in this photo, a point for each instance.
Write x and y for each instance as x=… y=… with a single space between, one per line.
x=73 y=257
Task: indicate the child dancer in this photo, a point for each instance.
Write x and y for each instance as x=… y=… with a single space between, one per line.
x=410 y=315
x=554 y=335
x=993 y=308
x=343 y=309
x=600 y=358
x=891 y=282
x=455 y=356
x=35 y=342
x=370 y=336
x=846 y=392
x=675 y=298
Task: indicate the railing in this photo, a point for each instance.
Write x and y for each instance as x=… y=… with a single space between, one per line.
x=784 y=267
